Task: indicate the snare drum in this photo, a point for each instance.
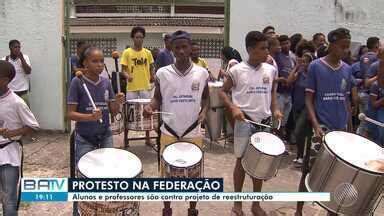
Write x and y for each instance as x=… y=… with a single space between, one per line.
x=183 y=160
x=214 y=99
x=342 y=168
x=135 y=116
x=109 y=163
x=263 y=156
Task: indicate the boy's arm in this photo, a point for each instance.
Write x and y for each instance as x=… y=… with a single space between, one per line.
x=77 y=116
x=274 y=107
x=204 y=103
x=377 y=103
x=25 y=63
x=223 y=94
x=5 y=132
x=28 y=121
x=310 y=92
x=152 y=72
x=156 y=101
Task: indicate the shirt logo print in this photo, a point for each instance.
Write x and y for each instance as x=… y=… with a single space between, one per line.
x=343 y=84
x=195 y=86
x=106 y=95
x=266 y=80
x=140 y=61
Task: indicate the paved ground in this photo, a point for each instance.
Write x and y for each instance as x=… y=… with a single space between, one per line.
x=48 y=156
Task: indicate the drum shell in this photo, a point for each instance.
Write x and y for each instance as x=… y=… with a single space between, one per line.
x=135 y=119
x=214 y=99
x=194 y=171
x=109 y=208
x=260 y=165
x=331 y=174
x=121 y=208
x=215 y=122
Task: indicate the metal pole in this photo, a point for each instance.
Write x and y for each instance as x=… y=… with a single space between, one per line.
x=66 y=65
x=227 y=9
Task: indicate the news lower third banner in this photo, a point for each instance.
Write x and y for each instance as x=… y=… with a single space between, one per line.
x=147 y=189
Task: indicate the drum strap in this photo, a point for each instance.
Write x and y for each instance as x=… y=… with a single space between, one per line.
x=7 y=143
x=106 y=69
x=189 y=129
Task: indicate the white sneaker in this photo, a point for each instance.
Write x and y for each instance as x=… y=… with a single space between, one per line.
x=299 y=161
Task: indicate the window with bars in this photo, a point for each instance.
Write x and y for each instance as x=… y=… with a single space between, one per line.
x=210 y=48
x=123 y=9
x=108 y=45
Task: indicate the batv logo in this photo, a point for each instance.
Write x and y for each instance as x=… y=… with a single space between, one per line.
x=44 y=185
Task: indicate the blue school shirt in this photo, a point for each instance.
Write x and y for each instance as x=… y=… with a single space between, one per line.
x=74 y=63
x=358 y=76
x=102 y=93
x=366 y=61
x=299 y=90
x=285 y=64
x=332 y=88
x=373 y=70
x=164 y=58
x=377 y=91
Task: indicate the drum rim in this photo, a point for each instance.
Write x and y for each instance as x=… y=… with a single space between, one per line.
x=202 y=155
x=81 y=173
x=136 y=101
x=345 y=161
x=250 y=143
x=214 y=84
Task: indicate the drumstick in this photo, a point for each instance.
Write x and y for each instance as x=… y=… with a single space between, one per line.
x=279 y=124
x=115 y=56
x=80 y=76
x=260 y=124
x=165 y=113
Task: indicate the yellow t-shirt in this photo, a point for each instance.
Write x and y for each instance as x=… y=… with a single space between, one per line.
x=139 y=67
x=202 y=63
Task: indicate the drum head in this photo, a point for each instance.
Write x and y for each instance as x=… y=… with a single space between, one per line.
x=354 y=149
x=139 y=101
x=182 y=154
x=109 y=163
x=267 y=143
x=215 y=84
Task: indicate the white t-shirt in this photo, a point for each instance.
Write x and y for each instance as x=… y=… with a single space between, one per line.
x=21 y=80
x=230 y=64
x=252 y=87
x=181 y=95
x=15 y=114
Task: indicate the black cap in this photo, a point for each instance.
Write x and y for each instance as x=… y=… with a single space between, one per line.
x=181 y=35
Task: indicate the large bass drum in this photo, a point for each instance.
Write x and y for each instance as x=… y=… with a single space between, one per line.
x=342 y=168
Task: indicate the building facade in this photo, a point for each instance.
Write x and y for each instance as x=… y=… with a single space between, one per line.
x=107 y=24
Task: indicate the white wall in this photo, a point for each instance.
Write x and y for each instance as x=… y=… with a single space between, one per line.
x=39 y=27
x=363 y=18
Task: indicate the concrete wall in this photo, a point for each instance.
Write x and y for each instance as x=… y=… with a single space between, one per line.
x=39 y=27
x=363 y=18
